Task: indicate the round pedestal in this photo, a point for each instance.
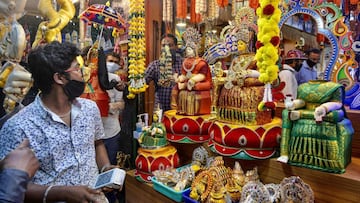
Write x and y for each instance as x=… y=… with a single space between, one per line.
x=246 y=142
x=149 y=160
x=186 y=129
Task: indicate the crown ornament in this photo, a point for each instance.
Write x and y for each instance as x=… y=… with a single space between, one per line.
x=192 y=38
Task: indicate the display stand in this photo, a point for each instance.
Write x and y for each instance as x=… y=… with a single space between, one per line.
x=327 y=187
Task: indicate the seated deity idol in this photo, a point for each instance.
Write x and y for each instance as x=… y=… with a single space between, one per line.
x=192 y=94
x=315 y=130
x=238 y=91
x=154 y=136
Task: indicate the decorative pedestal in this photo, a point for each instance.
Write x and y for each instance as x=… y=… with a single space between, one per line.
x=149 y=160
x=246 y=142
x=186 y=129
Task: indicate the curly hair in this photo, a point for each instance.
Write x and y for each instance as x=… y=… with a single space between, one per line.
x=45 y=61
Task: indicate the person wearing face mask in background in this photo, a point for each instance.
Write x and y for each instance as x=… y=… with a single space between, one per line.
x=288 y=73
x=162 y=71
x=111 y=122
x=308 y=69
x=64 y=131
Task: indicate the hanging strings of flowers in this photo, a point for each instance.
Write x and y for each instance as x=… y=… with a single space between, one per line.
x=222 y=3
x=194 y=17
x=181 y=9
x=200 y=6
x=267 y=47
x=213 y=10
x=168 y=14
x=137 y=83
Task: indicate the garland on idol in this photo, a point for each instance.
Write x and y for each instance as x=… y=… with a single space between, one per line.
x=137 y=49
x=267 y=45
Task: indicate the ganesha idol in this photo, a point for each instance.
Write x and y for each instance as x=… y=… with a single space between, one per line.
x=191 y=98
x=240 y=130
x=154 y=152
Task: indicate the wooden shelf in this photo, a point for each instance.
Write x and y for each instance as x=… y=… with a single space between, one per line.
x=138 y=192
x=327 y=187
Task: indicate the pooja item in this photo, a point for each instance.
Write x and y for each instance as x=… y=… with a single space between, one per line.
x=240 y=129
x=191 y=96
x=316 y=132
x=293 y=189
x=94 y=90
x=186 y=129
x=154 y=136
x=154 y=153
x=149 y=160
x=255 y=191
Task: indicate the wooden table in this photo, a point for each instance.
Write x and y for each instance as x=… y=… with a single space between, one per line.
x=138 y=192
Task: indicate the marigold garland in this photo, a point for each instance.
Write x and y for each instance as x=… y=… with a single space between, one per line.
x=137 y=83
x=267 y=45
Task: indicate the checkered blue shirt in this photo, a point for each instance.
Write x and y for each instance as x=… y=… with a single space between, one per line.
x=163 y=94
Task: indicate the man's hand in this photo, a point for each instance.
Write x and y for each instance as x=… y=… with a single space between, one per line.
x=22 y=158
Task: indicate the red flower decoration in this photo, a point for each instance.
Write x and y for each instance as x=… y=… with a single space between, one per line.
x=275 y=40
x=268 y=9
x=258 y=44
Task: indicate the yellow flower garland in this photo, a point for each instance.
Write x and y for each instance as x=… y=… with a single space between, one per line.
x=268 y=36
x=137 y=48
x=267 y=47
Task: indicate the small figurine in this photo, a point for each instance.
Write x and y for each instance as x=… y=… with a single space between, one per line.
x=155 y=135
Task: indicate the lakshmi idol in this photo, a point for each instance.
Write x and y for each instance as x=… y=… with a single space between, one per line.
x=192 y=96
x=239 y=129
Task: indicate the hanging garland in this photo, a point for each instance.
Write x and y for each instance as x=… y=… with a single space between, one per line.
x=267 y=46
x=168 y=11
x=181 y=9
x=137 y=83
x=200 y=6
x=222 y=3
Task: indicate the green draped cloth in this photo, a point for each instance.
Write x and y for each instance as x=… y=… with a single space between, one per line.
x=325 y=146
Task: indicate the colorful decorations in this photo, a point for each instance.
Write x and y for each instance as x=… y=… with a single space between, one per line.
x=267 y=47
x=246 y=142
x=14 y=79
x=50 y=30
x=150 y=160
x=316 y=132
x=186 y=129
x=137 y=48
x=168 y=11
x=181 y=9
x=103 y=15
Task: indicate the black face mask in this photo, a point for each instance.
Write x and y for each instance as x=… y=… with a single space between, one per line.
x=297 y=66
x=310 y=63
x=74 y=88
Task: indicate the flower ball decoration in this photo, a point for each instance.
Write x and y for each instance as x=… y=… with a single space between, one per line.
x=266 y=56
x=137 y=83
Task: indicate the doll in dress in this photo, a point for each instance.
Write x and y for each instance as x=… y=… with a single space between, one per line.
x=192 y=96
